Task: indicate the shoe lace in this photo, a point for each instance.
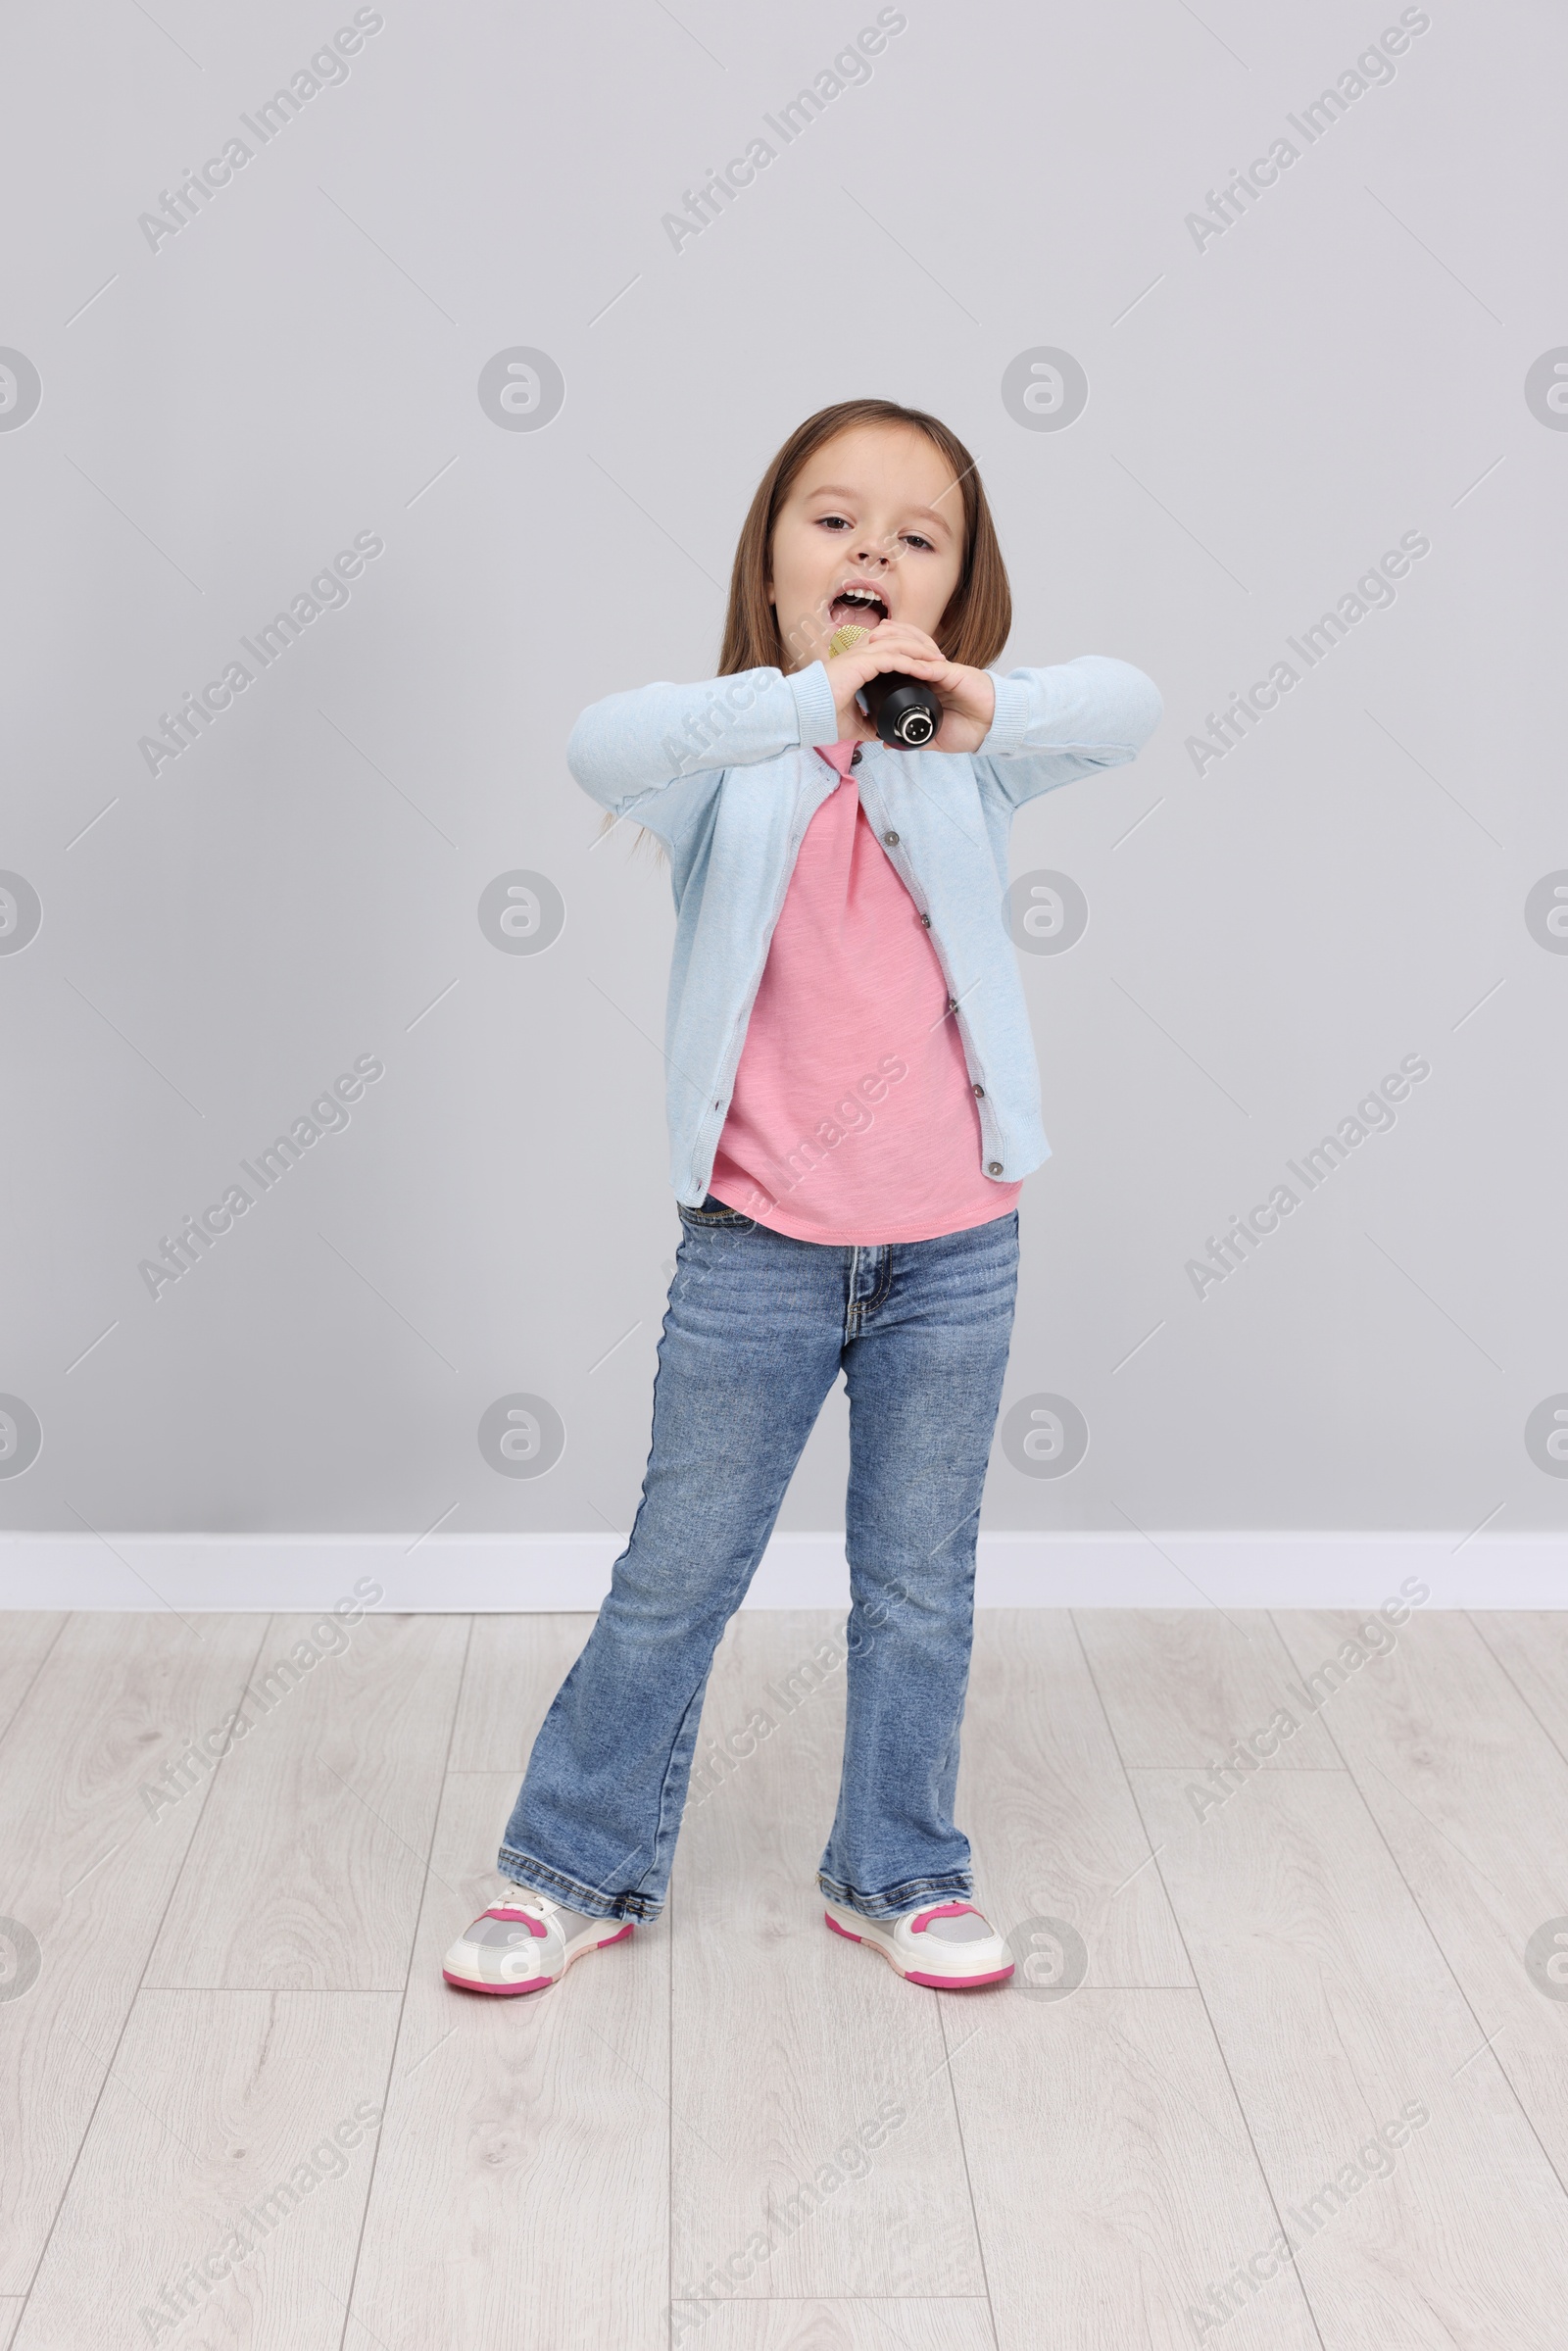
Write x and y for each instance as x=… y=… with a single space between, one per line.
x=535 y=1910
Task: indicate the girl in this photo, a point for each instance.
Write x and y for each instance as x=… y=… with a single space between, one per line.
x=852 y=1104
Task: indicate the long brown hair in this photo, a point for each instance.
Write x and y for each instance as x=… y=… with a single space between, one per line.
x=977 y=620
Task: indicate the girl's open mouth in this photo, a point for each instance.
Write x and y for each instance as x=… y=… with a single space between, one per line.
x=859 y=605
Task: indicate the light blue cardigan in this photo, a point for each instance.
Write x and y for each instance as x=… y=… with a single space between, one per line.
x=726 y=773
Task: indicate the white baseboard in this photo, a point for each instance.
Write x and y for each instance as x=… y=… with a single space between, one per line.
x=461 y=1574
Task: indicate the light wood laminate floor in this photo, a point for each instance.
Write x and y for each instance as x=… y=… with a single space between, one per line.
x=1317 y=2000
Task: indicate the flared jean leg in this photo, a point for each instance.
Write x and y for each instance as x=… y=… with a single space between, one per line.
x=925 y=1372
x=749 y=1348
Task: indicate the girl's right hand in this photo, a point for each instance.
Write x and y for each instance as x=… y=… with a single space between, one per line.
x=891 y=644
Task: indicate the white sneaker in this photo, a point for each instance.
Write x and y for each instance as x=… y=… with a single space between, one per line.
x=951 y=1945
x=525 y=1942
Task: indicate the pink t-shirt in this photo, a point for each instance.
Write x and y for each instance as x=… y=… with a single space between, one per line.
x=853 y=1117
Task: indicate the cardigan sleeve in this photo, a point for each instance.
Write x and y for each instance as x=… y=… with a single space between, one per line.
x=1050 y=725
x=655 y=752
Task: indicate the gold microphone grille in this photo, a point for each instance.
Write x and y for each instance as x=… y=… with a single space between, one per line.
x=843 y=638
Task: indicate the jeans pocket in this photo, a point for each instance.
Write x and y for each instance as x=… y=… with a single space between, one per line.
x=714 y=1212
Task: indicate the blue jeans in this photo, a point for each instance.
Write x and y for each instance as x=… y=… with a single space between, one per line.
x=757 y=1328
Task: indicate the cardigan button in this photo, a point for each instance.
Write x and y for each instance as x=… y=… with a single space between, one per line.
x=995 y=1168
x=891 y=838
x=980 y=1089
x=855 y=757
x=953 y=1003
x=926 y=921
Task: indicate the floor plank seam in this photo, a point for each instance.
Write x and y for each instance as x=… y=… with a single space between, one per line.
x=130 y=2004
x=1219 y=2050
x=397 y=2035
x=17 y=1709
x=1545 y=1729
x=947 y=2056
x=1452 y=1974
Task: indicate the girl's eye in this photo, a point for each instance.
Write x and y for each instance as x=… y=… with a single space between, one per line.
x=837 y=523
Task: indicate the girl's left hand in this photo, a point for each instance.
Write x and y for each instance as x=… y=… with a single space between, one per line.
x=968 y=697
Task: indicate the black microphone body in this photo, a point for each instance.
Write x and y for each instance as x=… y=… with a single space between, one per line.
x=905 y=713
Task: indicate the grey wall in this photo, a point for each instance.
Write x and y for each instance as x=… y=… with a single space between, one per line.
x=1271 y=408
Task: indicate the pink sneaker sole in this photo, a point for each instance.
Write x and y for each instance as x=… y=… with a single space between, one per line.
x=507 y=1992
x=912 y=1975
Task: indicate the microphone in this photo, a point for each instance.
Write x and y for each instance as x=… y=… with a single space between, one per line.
x=904 y=713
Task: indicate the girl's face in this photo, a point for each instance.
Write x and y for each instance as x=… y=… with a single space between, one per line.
x=878 y=511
